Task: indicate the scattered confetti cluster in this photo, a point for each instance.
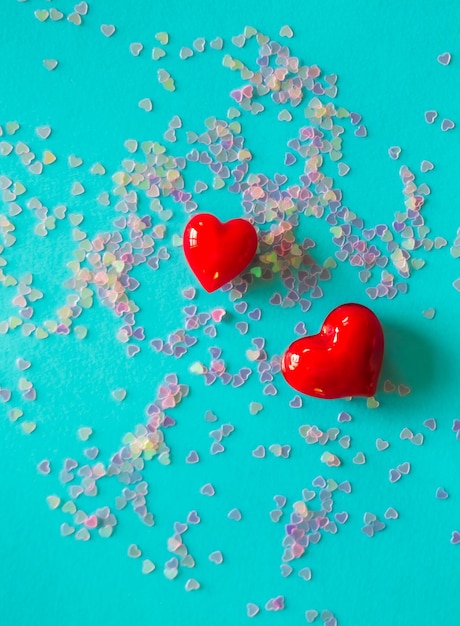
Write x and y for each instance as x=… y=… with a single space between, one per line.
x=148 y=197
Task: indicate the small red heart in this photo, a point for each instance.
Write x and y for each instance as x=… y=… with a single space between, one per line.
x=216 y=251
x=343 y=359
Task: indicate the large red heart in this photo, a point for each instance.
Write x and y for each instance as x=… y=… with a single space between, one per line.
x=217 y=252
x=343 y=359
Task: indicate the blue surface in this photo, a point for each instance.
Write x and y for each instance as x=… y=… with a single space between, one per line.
x=385 y=57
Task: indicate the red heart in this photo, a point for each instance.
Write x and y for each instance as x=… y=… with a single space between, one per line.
x=343 y=359
x=216 y=251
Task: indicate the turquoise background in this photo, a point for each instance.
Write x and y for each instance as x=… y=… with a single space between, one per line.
x=385 y=56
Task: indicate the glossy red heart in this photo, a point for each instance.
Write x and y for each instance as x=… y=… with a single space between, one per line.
x=343 y=359
x=218 y=251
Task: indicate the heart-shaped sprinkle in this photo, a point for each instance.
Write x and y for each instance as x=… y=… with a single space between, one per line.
x=369 y=518
x=217 y=43
x=455 y=539
x=163 y=38
x=239 y=41
x=43 y=132
x=81 y=8
x=280 y=501
x=391 y=513
x=305 y=573
x=259 y=452
x=66 y=530
x=119 y=394
x=296 y=402
x=426 y=166
x=193 y=518
x=394 y=475
x=136 y=48
x=192 y=457
x=417 y=439
x=5 y=395
x=207 y=490
x=368 y=530
x=394 y=152
x=406 y=434
x=381 y=444
x=91 y=453
x=445 y=58
x=441 y=493
x=83 y=535
x=404 y=468
x=147 y=566
x=44 y=467
x=158 y=53
x=284 y=116
x=344 y=417
x=50 y=64
x=134 y=552
x=276 y=515
x=217 y=448
x=286 y=31
x=311 y=615
x=192 y=585
x=146 y=104
x=235 y=515
x=286 y=570
x=75 y=18
x=345 y=441
x=53 y=502
x=107 y=30
x=185 y=53
x=430 y=116
x=318 y=482
x=41 y=15
x=447 y=124
x=28 y=427
x=430 y=423
x=84 y=433
x=252 y=609
x=359 y=459
x=105 y=532
x=216 y=557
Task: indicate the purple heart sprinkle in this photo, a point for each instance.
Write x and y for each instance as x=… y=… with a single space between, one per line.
x=319 y=482
x=259 y=452
x=235 y=515
x=255 y=314
x=430 y=423
x=368 y=530
x=430 y=116
x=207 y=490
x=44 y=467
x=217 y=448
x=296 y=402
x=445 y=58
x=193 y=518
x=447 y=124
x=192 y=457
